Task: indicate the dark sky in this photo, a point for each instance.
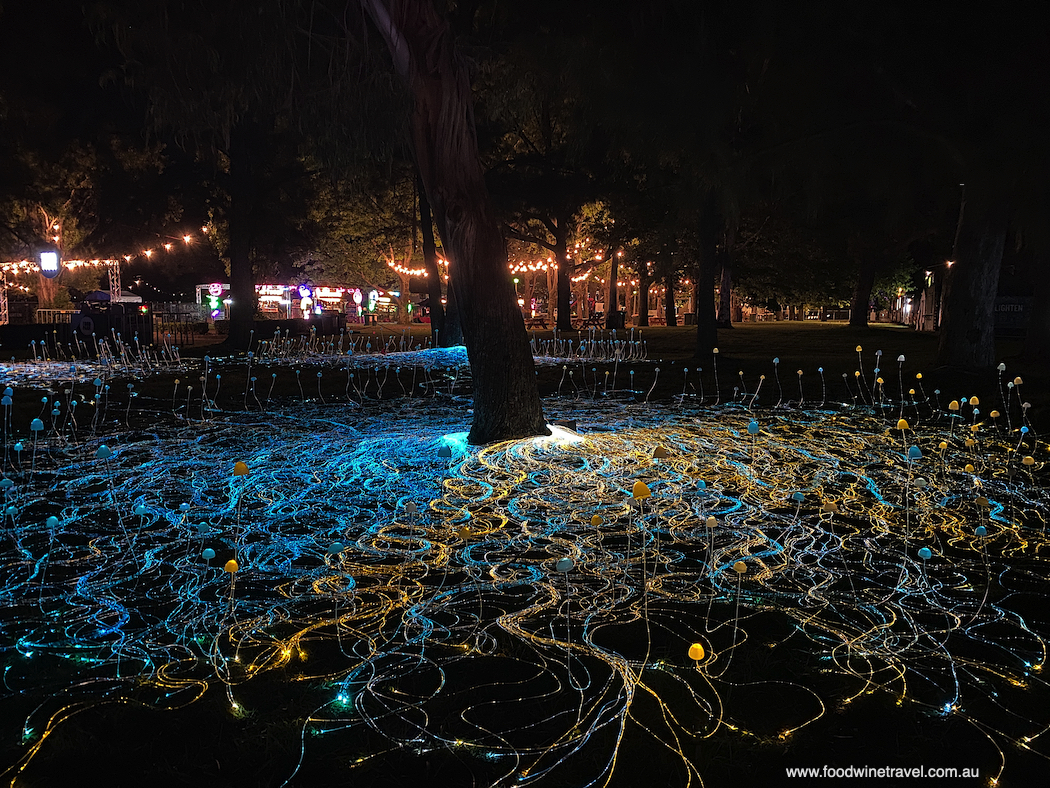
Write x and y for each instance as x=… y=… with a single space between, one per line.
x=59 y=86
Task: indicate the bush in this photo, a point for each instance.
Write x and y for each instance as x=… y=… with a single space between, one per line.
x=222 y=326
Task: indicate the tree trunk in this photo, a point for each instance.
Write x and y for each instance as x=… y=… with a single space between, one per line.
x=506 y=397
x=706 y=325
x=860 y=304
x=644 y=280
x=1037 y=336
x=561 y=258
x=725 y=287
x=430 y=265
x=47 y=290
x=453 y=326
x=669 y=314
x=242 y=208
x=612 y=301
x=967 y=340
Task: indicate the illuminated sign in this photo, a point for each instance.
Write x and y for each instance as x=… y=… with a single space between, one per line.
x=215 y=289
x=50 y=264
x=272 y=290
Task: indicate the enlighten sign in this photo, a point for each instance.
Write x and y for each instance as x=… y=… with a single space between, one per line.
x=50 y=265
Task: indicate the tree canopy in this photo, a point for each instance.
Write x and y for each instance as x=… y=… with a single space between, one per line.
x=805 y=152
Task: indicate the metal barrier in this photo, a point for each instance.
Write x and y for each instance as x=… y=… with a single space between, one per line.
x=177 y=324
x=52 y=316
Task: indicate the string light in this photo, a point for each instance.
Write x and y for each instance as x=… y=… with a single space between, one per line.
x=20 y=266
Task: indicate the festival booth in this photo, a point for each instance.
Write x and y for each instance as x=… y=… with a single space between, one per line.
x=317 y=306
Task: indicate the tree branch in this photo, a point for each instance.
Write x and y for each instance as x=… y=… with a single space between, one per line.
x=510 y=232
x=391 y=34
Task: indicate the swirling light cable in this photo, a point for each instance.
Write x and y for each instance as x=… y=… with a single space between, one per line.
x=411 y=586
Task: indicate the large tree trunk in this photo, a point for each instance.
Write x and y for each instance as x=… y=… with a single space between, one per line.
x=242 y=208
x=706 y=326
x=1037 y=336
x=860 y=304
x=967 y=339
x=506 y=398
x=725 y=287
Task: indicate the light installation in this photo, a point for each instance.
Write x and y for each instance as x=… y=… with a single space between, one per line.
x=530 y=606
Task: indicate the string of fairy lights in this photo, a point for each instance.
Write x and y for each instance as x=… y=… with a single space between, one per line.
x=523 y=605
x=531 y=266
x=14 y=267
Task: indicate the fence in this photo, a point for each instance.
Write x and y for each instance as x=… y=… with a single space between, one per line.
x=53 y=316
x=178 y=324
